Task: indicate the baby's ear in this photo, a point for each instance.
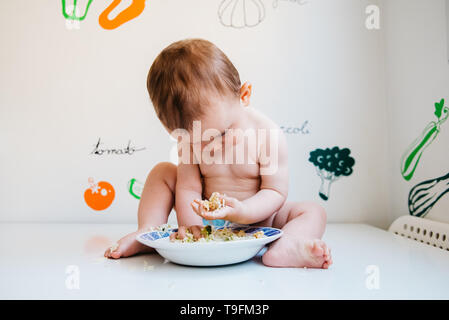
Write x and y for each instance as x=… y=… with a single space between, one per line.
x=245 y=93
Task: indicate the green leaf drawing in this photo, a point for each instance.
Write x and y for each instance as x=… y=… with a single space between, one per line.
x=439 y=108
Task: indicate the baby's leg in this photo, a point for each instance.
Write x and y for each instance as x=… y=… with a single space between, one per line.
x=303 y=224
x=154 y=207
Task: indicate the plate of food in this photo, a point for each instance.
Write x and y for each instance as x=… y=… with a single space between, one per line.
x=217 y=245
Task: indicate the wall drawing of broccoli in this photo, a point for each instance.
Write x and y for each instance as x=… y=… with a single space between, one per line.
x=241 y=13
x=424 y=195
x=411 y=157
x=330 y=165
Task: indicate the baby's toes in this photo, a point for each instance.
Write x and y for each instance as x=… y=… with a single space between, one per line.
x=327 y=264
x=320 y=253
x=317 y=248
x=114 y=251
x=327 y=258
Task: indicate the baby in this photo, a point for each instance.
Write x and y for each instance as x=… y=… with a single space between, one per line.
x=196 y=92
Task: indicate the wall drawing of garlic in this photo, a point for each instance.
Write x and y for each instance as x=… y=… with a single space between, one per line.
x=241 y=13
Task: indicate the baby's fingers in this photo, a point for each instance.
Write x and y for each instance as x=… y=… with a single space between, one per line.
x=196 y=209
x=196 y=231
x=173 y=236
x=181 y=232
x=228 y=201
x=178 y=235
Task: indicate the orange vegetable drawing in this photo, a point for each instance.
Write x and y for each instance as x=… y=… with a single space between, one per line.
x=99 y=196
x=129 y=13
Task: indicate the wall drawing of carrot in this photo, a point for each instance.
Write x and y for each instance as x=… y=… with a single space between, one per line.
x=411 y=157
x=424 y=195
x=135 y=9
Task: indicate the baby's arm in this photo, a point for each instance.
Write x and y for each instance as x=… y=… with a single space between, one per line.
x=273 y=188
x=188 y=188
x=269 y=199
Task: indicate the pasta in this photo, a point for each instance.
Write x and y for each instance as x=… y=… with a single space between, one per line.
x=209 y=233
x=214 y=202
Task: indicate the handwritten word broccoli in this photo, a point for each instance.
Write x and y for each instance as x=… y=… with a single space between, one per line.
x=330 y=165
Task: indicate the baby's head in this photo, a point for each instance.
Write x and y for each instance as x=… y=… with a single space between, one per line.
x=194 y=80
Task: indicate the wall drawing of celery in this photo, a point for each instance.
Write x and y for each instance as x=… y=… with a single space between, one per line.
x=411 y=157
x=241 y=13
x=424 y=195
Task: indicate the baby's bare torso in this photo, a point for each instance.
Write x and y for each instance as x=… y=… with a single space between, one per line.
x=238 y=180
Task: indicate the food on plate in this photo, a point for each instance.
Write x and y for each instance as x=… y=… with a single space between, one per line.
x=209 y=233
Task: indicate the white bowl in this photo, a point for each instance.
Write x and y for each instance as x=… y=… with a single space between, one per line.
x=212 y=253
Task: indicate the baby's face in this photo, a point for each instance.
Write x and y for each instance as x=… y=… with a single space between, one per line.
x=221 y=115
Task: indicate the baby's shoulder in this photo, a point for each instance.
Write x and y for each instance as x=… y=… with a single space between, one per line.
x=273 y=130
x=261 y=121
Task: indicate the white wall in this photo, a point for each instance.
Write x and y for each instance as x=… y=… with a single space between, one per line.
x=63 y=89
x=417 y=77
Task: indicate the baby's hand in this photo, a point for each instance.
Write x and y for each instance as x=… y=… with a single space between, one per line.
x=233 y=210
x=181 y=234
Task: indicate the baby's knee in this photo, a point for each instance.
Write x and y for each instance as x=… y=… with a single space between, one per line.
x=164 y=170
x=312 y=208
x=164 y=167
x=318 y=210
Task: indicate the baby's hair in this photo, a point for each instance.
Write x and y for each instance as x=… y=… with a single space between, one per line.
x=184 y=75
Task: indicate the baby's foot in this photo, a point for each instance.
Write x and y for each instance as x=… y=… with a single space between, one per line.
x=127 y=246
x=298 y=253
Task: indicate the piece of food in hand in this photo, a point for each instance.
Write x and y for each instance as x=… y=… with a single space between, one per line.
x=214 y=202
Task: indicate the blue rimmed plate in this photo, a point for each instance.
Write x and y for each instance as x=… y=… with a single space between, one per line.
x=212 y=253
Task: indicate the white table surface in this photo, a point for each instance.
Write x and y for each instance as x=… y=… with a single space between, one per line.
x=34 y=259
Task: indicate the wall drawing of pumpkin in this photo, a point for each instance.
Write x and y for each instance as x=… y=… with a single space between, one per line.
x=331 y=164
x=426 y=194
x=241 y=13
